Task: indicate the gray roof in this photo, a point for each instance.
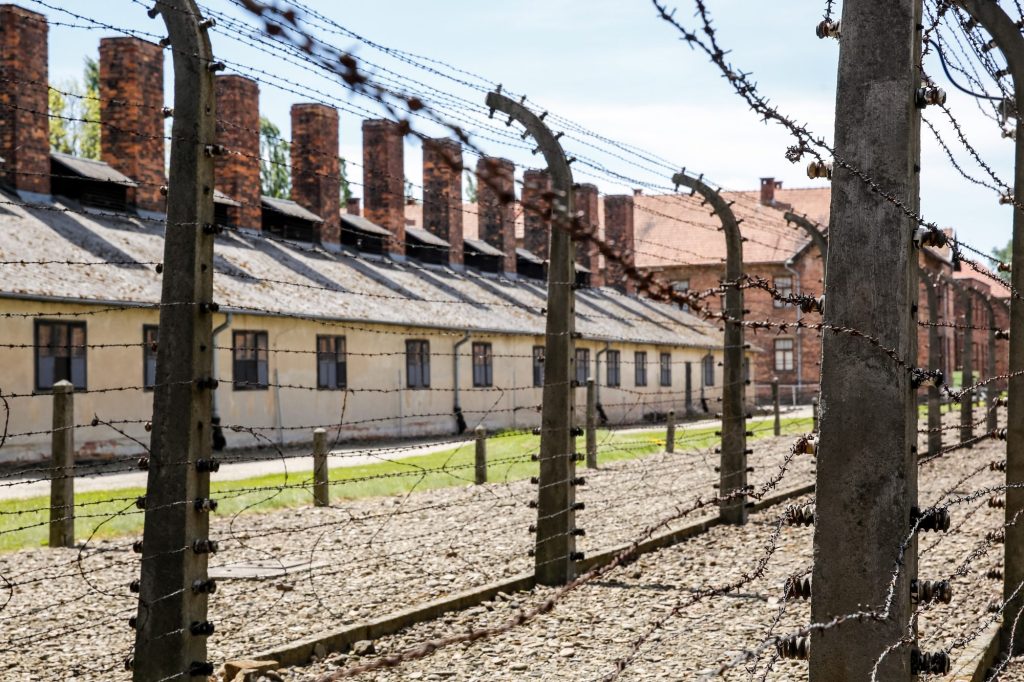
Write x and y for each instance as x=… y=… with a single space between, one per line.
x=480 y=246
x=221 y=198
x=93 y=170
x=358 y=222
x=290 y=208
x=425 y=237
x=265 y=275
x=529 y=256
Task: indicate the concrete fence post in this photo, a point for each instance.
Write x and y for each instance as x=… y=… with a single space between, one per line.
x=321 y=471
x=967 y=368
x=670 y=432
x=62 y=467
x=480 y=467
x=814 y=414
x=591 y=424
x=775 y=406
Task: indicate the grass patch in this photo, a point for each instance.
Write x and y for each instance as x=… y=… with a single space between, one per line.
x=112 y=513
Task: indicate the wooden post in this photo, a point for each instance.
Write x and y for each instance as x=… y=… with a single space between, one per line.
x=670 y=432
x=480 y=467
x=591 y=424
x=733 y=467
x=321 y=470
x=775 y=406
x=172 y=625
x=867 y=465
x=62 y=467
x=814 y=414
x=967 y=367
x=555 y=553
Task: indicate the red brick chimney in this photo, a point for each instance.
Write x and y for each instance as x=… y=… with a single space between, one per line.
x=384 y=179
x=442 y=193
x=496 y=211
x=536 y=212
x=768 y=186
x=237 y=172
x=24 y=124
x=586 y=252
x=618 y=231
x=353 y=206
x=131 y=110
x=316 y=175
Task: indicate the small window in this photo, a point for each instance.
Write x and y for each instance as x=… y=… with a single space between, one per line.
x=784 y=285
x=640 y=368
x=149 y=341
x=60 y=354
x=538 y=365
x=417 y=364
x=331 y=363
x=666 y=369
x=709 y=370
x=483 y=365
x=614 y=368
x=683 y=287
x=249 y=353
x=783 y=355
x=582 y=366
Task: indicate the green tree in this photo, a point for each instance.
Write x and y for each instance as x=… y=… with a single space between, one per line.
x=470 y=188
x=75 y=114
x=1005 y=255
x=346 y=188
x=275 y=178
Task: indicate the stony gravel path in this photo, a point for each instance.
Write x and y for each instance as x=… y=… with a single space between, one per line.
x=68 y=609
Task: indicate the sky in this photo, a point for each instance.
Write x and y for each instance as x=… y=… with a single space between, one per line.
x=611 y=66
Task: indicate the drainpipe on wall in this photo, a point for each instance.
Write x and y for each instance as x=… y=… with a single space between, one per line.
x=799 y=335
x=460 y=421
x=219 y=441
x=597 y=382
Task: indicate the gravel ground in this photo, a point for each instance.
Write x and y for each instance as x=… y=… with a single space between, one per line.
x=67 y=615
x=593 y=628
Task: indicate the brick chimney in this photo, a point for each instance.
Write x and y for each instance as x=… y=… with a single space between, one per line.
x=384 y=179
x=536 y=212
x=586 y=252
x=353 y=207
x=768 y=186
x=237 y=173
x=496 y=211
x=131 y=111
x=618 y=231
x=316 y=173
x=442 y=193
x=24 y=135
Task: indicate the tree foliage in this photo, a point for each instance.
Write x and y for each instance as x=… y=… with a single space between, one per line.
x=346 y=188
x=1005 y=255
x=275 y=175
x=75 y=116
x=470 y=188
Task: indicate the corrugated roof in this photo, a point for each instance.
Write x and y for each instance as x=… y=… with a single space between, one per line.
x=426 y=237
x=92 y=170
x=290 y=208
x=358 y=222
x=259 y=274
x=480 y=247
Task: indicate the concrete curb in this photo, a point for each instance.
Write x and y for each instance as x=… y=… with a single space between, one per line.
x=978 y=657
x=299 y=653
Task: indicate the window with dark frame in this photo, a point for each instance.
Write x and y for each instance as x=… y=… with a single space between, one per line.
x=483 y=365
x=614 y=374
x=666 y=369
x=709 y=370
x=249 y=360
x=582 y=366
x=417 y=364
x=683 y=287
x=538 y=365
x=60 y=354
x=784 y=286
x=150 y=337
x=331 y=363
x=640 y=368
x=784 y=355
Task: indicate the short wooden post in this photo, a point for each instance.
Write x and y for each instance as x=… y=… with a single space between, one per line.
x=814 y=414
x=591 y=424
x=481 y=455
x=62 y=466
x=321 y=472
x=775 y=405
x=670 y=431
